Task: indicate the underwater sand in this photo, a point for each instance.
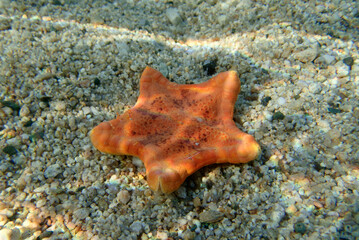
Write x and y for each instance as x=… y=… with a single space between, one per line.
x=66 y=66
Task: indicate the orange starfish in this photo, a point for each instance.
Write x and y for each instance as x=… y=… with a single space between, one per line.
x=177 y=129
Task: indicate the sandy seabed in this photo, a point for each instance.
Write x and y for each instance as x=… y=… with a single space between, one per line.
x=67 y=66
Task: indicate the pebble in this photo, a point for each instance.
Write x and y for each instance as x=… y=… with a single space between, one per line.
x=136 y=227
x=60 y=106
x=53 y=170
x=210 y=216
x=315 y=88
x=43 y=76
x=197 y=202
x=306 y=55
x=24 y=111
x=328 y=59
x=10 y=234
x=124 y=196
x=174 y=16
x=86 y=110
x=281 y=101
x=81 y=213
x=8 y=212
x=300 y=228
x=3 y=219
x=277 y=215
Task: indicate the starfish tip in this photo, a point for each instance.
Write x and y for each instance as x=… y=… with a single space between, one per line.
x=249 y=149
x=165 y=180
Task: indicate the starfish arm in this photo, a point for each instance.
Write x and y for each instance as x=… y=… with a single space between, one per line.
x=110 y=138
x=227 y=86
x=167 y=175
x=152 y=84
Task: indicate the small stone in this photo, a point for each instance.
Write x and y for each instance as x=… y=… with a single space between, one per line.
x=189 y=235
x=334 y=110
x=300 y=228
x=19 y=160
x=60 y=106
x=328 y=59
x=174 y=16
x=211 y=216
x=306 y=55
x=10 y=234
x=272 y=161
x=136 y=227
x=330 y=202
x=7 y=212
x=45 y=234
x=197 y=202
x=86 y=110
x=162 y=235
x=123 y=196
x=278 y=116
x=36 y=136
x=265 y=101
x=72 y=123
x=81 y=213
x=281 y=101
x=43 y=76
x=349 y=61
x=277 y=215
x=3 y=219
x=10 y=150
x=315 y=88
x=291 y=209
x=53 y=170
x=24 y=111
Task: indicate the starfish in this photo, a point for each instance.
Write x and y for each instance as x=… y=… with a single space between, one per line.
x=176 y=129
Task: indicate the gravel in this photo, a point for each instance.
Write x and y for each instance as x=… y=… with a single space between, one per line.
x=67 y=66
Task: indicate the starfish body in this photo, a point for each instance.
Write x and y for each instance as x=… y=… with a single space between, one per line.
x=176 y=129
